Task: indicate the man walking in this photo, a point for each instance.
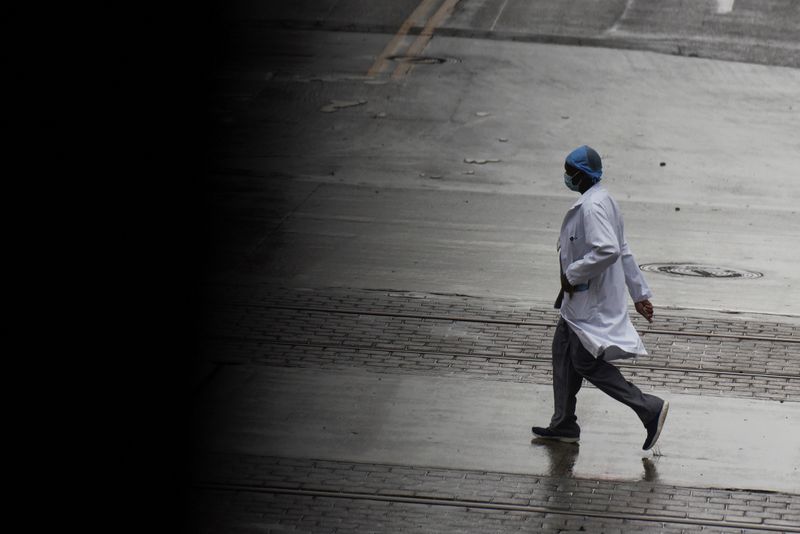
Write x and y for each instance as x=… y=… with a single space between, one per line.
x=597 y=267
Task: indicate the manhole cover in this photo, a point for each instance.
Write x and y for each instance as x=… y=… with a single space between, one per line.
x=424 y=60
x=698 y=270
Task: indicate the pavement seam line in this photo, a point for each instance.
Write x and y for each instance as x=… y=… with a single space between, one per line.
x=464 y=503
x=499 y=14
x=614 y=27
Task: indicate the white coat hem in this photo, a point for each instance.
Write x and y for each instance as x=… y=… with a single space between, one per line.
x=610 y=352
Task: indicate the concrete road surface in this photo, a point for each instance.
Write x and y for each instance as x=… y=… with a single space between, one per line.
x=451 y=179
x=485 y=426
x=416 y=148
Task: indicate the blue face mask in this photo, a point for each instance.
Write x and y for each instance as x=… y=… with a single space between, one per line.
x=569 y=184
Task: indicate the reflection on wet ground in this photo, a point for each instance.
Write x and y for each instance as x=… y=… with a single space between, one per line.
x=561 y=459
x=650 y=472
x=561 y=456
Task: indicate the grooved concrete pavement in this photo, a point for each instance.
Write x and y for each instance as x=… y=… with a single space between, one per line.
x=381 y=195
x=555 y=492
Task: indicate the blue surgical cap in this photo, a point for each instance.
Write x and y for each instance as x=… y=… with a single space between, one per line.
x=587 y=160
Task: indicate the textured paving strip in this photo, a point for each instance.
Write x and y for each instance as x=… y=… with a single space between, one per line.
x=555 y=503
x=268 y=334
x=297 y=327
x=478 y=307
x=228 y=512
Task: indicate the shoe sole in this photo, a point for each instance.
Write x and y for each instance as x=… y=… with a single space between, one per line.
x=558 y=438
x=662 y=417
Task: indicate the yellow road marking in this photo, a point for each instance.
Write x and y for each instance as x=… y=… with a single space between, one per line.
x=391 y=48
x=425 y=36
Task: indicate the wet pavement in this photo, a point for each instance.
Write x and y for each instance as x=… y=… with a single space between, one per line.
x=380 y=296
x=403 y=198
x=366 y=382
x=459 y=422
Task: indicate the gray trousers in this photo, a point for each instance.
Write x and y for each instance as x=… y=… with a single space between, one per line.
x=571 y=364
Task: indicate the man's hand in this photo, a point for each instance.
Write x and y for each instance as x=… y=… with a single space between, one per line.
x=645 y=309
x=566 y=286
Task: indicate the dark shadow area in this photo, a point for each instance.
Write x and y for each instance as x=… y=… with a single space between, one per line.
x=138 y=137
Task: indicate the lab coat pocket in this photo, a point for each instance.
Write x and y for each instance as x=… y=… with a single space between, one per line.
x=583 y=304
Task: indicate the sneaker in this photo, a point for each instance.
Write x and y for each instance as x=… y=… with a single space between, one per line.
x=654 y=427
x=546 y=433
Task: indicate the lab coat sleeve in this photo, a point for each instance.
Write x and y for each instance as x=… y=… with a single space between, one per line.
x=634 y=279
x=602 y=244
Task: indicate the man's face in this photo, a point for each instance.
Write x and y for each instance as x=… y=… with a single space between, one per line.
x=573 y=172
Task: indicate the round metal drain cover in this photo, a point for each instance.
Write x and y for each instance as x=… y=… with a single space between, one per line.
x=698 y=270
x=424 y=60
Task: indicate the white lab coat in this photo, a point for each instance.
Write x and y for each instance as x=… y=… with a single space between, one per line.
x=593 y=250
